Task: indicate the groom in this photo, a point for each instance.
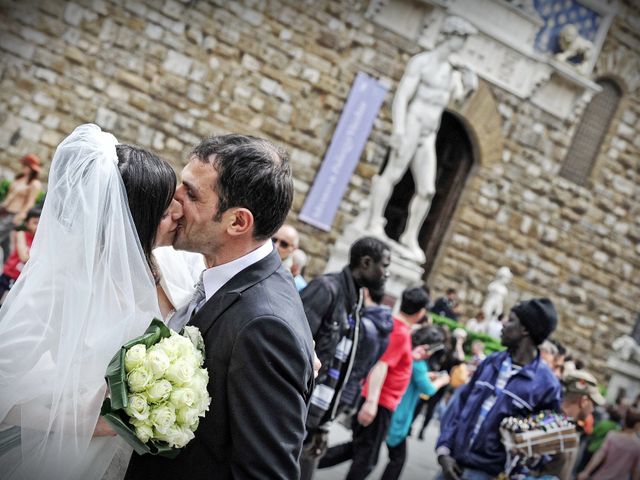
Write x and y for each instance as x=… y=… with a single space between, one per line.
x=235 y=193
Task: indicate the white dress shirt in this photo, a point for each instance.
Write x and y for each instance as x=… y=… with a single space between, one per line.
x=215 y=277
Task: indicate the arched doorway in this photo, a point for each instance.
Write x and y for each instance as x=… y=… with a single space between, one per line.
x=455 y=158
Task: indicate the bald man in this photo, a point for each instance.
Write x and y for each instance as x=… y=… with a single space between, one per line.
x=286 y=240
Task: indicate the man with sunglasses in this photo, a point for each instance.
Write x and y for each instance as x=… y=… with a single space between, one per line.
x=286 y=240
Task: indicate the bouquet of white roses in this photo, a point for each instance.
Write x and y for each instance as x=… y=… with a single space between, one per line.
x=158 y=390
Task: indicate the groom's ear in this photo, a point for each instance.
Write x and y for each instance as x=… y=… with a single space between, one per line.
x=239 y=221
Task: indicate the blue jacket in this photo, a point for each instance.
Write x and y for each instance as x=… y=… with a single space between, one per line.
x=532 y=389
x=403 y=415
x=376 y=324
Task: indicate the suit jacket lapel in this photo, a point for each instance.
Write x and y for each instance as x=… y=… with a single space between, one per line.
x=231 y=291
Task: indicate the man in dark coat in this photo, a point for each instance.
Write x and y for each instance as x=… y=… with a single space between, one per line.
x=333 y=304
x=235 y=193
x=512 y=383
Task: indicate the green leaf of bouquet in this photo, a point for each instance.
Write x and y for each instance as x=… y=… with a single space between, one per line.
x=122 y=428
x=118 y=421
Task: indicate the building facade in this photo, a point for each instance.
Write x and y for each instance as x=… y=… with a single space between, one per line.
x=540 y=165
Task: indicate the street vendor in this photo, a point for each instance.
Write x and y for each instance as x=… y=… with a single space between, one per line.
x=511 y=383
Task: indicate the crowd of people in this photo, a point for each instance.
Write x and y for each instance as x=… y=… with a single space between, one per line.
x=117 y=243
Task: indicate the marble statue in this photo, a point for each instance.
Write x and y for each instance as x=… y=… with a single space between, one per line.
x=626 y=348
x=493 y=305
x=572 y=47
x=429 y=82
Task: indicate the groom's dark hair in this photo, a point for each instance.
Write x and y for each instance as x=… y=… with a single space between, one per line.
x=254 y=174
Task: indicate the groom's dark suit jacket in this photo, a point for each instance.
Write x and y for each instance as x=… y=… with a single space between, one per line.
x=259 y=357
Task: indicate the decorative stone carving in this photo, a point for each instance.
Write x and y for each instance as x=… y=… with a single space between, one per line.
x=622 y=63
x=626 y=348
x=430 y=81
x=500 y=64
x=575 y=50
x=624 y=364
x=493 y=305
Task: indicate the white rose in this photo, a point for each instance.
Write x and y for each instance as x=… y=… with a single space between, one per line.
x=180 y=372
x=188 y=436
x=157 y=362
x=176 y=436
x=140 y=423
x=134 y=357
x=193 y=334
x=144 y=433
x=202 y=404
x=139 y=379
x=183 y=344
x=162 y=418
x=193 y=427
x=159 y=391
x=199 y=381
x=138 y=408
x=187 y=416
x=198 y=357
x=203 y=400
x=183 y=397
x=170 y=348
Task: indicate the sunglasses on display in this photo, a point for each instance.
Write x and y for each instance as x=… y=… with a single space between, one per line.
x=282 y=243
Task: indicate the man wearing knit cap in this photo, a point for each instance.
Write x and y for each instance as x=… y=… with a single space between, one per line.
x=515 y=382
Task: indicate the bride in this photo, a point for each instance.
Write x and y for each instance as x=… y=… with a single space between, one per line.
x=91 y=284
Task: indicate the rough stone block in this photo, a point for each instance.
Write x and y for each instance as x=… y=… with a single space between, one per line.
x=177 y=63
x=250 y=62
x=73 y=14
x=44 y=100
x=311 y=75
x=106 y=119
x=117 y=92
x=624 y=186
x=16 y=45
x=285 y=35
x=30 y=130
x=51 y=121
x=153 y=31
x=30 y=113
x=52 y=139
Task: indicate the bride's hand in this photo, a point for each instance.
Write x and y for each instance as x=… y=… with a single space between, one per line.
x=103 y=429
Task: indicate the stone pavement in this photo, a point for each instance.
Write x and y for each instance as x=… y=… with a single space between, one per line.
x=421 y=458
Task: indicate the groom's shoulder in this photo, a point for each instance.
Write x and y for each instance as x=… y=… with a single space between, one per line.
x=275 y=294
x=274 y=297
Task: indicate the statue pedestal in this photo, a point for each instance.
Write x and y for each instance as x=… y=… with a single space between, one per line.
x=625 y=375
x=404 y=272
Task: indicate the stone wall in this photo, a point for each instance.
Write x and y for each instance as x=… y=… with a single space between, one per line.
x=164 y=74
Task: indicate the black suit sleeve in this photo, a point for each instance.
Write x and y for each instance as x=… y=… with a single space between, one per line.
x=317 y=299
x=269 y=374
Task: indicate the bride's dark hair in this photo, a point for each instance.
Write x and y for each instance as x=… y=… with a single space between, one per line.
x=150 y=183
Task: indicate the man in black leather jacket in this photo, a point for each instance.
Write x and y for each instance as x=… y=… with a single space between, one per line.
x=333 y=304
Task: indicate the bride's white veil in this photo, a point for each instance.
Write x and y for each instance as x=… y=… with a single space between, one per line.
x=85 y=291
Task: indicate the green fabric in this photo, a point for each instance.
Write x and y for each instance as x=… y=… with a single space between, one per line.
x=490 y=344
x=599 y=432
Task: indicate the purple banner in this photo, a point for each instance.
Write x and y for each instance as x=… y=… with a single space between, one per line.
x=354 y=126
